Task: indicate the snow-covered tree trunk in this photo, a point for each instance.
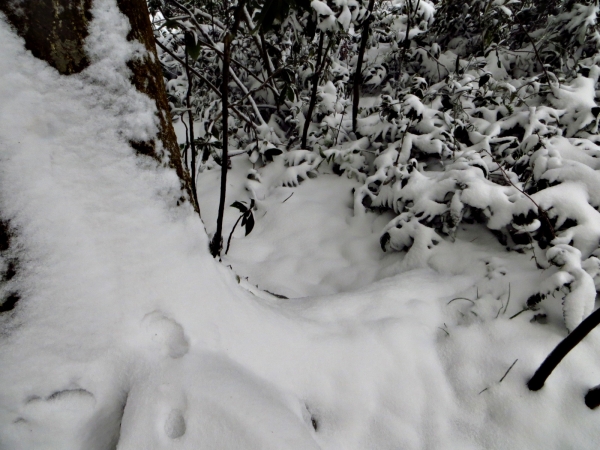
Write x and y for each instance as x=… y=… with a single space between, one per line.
x=55 y=31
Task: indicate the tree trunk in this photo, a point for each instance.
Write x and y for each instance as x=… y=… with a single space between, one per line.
x=55 y=31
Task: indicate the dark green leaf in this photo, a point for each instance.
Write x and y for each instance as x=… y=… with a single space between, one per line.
x=171 y=24
x=270 y=152
x=384 y=241
x=274 y=11
x=192 y=47
x=281 y=96
x=535 y=299
x=484 y=79
x=249 y=223
x=239 y=205
x=290 y=93
x=286 y=75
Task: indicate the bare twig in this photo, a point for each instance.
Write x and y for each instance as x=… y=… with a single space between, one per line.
x=508 y=301
x=216 y=244
x=211 y=45
x=460 y=298
x=313 y=96
x=511 y=366
x=358 y=73
x=537 y=54
x=205 y=80
x=231 y=234
x=562 y=349
x=540 y=209
x=519 y=313
x=188 y=104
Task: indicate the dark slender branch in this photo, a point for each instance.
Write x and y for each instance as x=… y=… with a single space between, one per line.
x=339 y=128
x=208 y=83
x=511 y=366
x=234 y=76
x=508 y=301
x=255 y=90
x=259 y=41
x=187 y=142
x=540 y=210
x=358 y=73
x=461 y=298
x=211 y=45
x=402 y=143
x=313 y=96
x=231 y=234
x=263 y=47
x=191 y=129
x=216 y=245
x=537 y=54
x=562 y=349
x=437 y=61
x=406 y=43
x=519 y=313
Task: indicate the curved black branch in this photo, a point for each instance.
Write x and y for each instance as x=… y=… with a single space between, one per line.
x=562 y=349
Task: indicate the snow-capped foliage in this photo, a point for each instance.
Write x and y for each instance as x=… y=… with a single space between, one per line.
x=573 y=281
x=477 y=112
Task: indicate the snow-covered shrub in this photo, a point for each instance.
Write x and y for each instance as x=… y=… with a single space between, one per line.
x=575 y=283
x=470 y=112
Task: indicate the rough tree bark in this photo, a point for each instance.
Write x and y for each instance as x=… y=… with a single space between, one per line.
x=55 y=31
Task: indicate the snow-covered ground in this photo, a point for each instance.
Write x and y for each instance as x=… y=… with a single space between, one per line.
x=130 y=336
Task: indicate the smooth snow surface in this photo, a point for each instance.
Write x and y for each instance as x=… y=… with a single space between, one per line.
x=130 y=336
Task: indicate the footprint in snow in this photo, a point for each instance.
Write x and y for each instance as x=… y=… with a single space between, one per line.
x=495 y=269
x=175 y=424
x=76 y=395
x=52 y=406
x=167 y=334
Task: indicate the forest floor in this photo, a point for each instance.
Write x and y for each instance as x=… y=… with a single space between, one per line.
x=130 y=335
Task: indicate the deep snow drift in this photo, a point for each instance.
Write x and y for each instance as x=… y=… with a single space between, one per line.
x=130 y=335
